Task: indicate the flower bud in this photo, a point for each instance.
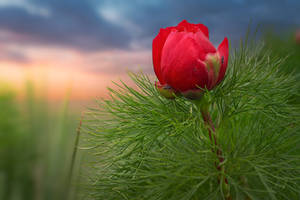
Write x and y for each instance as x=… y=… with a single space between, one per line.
x=185 y=61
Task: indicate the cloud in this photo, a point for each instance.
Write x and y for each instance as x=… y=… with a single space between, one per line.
x=15 y=56
x=72 y=24
x=12 y=54
x=114 y=16
x=28 y=6
x=118 y=62
x=117 y=24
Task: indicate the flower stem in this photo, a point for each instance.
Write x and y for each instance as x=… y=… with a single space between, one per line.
x=203 y=105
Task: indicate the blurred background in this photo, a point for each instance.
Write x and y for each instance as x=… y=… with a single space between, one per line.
x=58 y=56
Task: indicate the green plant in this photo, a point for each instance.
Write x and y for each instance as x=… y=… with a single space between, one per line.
x=147 y=147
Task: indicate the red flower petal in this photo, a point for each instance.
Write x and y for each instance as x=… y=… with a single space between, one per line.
x=223 y=52
x=192 y=27
x=157 y=46
x=204 y=45
x=181 y=67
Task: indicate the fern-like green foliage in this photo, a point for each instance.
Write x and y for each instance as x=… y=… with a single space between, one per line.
x=145 y=147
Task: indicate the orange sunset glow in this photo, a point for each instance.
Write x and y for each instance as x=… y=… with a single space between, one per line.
x=85 y=75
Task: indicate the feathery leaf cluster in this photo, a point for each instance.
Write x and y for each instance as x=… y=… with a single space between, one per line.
x=147 y=147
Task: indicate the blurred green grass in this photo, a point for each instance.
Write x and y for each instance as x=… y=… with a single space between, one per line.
x=286 y=47
x=36 y=144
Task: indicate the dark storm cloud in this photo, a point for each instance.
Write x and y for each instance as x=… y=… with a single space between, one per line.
x=230 y=18
x=70 y=23
x=79 y=24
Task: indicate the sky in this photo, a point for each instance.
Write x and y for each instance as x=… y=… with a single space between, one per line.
x=83 y=45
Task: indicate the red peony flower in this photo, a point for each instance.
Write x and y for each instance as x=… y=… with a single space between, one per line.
x=185 y=60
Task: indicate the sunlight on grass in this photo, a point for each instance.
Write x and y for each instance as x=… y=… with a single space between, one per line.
x=36 y=142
